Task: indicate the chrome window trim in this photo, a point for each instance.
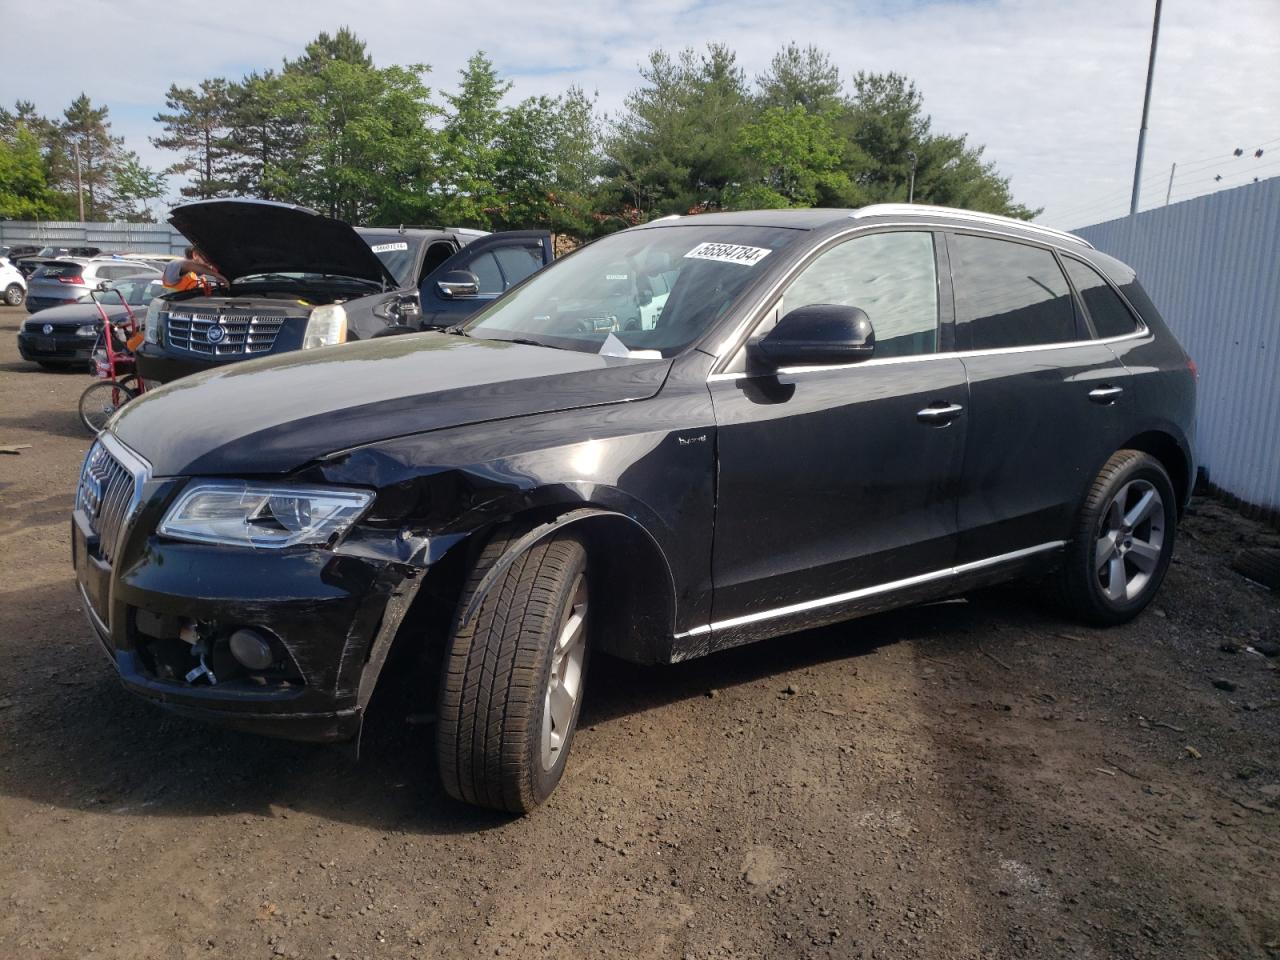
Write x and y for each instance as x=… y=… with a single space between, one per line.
x=921 y=357
x=872 y=591
x=728 y=346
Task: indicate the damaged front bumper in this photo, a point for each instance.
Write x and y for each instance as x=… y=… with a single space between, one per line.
x=164 y=611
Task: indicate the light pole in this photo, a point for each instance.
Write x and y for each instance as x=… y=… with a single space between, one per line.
x=1146 y=107
x=911 y=189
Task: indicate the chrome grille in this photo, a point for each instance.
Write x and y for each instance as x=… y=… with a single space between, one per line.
x=239 y=333
x=107 y=494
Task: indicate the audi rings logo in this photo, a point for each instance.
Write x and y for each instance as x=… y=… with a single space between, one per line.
x=47 y=329
x=216 y=333
x=91 y=495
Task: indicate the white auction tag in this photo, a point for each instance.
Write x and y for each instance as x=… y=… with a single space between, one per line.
x=388 y=247
x=728 y=253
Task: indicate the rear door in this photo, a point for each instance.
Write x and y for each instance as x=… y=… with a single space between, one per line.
x=499 y=261
x=1046 y=402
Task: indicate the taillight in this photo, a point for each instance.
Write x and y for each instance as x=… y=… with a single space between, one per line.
x=75 y=280
x=1195 y=371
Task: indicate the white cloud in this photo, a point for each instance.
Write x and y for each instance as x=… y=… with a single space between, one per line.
x=1054 y=90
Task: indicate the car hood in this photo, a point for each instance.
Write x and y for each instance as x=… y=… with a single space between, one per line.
x=277 y=414
x=79 y=313
x=241 y=237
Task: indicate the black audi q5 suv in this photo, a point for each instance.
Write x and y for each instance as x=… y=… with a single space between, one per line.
x=688 y=435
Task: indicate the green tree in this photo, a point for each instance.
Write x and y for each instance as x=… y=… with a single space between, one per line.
x=674 y=147
x=265 y=137
x=196 y=127
x=368 y=150
x=799 y=158
x=25 y=193
x=86 y=133
x=136 y=187
x=801 y=77
x=885 y=120
x=472 y=145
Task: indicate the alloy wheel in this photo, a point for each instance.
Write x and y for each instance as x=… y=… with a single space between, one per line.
x=564 y=686
x=1130 y=541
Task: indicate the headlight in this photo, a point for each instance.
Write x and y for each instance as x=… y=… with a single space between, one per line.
x=88 y=330
x=327 y=326
x=152 y=323
x=259 y=515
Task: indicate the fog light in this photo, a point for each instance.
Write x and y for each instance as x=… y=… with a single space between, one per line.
x=252 y=649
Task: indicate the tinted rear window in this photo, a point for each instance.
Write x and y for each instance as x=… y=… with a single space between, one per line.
x=1111 y=318
x=54 y=270
x=1009 y=294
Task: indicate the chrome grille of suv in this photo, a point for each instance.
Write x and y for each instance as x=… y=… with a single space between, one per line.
x=107 y=494
x=241 y=333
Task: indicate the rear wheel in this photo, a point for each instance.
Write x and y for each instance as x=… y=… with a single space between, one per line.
x=1123 y=540
x=100 y=401
x=14 y=294
x=511 y=689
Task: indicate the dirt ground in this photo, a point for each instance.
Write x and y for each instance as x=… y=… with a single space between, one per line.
x=978 y=778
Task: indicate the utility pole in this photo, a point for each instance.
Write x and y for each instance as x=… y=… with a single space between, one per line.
x=79 y=185
x=911 y=190
x=1146 y=107
x=1173 y=169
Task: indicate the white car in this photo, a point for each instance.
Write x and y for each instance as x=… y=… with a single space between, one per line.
x=13 y=288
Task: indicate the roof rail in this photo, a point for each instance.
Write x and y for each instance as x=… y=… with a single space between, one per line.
x=897 y=209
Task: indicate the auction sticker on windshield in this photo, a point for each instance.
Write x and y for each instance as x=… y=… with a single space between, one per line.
x=728 y=253
x=388 y=247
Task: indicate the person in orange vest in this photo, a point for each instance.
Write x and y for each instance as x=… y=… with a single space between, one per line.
x=192 y=272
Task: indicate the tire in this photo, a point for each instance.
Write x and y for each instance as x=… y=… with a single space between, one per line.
x=100 y=401
x=14 y=294
x=1259 y=564
x=499 y=741
x=1122 y=542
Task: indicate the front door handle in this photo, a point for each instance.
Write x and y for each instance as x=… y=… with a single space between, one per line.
x=1105 y=394
x=939 y=414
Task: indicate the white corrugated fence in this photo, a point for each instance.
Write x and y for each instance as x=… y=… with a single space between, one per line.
x=1212 y=266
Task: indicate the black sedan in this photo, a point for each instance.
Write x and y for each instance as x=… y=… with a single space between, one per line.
x=66 y=336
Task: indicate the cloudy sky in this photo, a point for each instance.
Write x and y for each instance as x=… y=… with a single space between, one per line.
x=1053 y=88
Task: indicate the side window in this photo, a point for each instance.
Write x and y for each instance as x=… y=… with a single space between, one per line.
x=890 y=276
x=1009 y=294
x=518 y=262
x=130 y=291
x=1111 y=318
x=485 y=267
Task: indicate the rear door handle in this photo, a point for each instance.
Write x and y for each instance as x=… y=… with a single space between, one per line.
x=939 y=414
x=1105 y=394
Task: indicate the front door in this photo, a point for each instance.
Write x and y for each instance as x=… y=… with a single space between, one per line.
x=837 y=483
x=499 y=261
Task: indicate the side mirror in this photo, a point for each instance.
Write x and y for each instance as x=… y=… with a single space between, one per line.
x=458 y=283
x=815 y=335
x=104 y=285
x=410 y=308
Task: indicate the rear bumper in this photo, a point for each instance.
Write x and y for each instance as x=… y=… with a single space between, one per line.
x=36 y=303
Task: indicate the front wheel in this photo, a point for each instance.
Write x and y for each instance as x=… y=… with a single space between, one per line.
x=14 y=294
x=1123 y=540
x=100 y=401
x=511 y=688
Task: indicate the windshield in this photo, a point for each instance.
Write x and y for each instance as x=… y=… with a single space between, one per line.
x=641 y=292
x=397 y=253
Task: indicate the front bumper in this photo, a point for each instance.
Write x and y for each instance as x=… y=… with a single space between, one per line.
x=55 y=347
x=328 y=611
x=158 y=365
